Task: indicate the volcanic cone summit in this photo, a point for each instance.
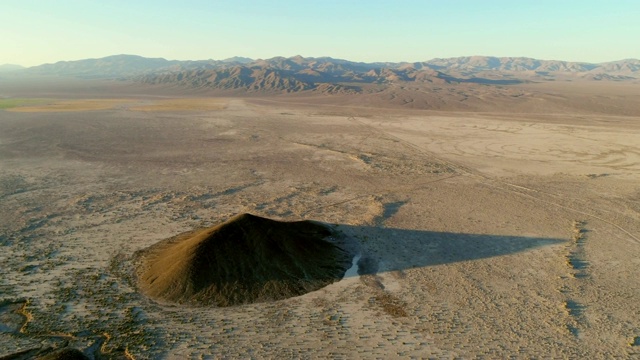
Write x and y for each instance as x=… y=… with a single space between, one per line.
x=244 y=260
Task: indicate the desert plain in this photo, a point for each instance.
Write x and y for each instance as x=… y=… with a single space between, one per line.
x=490 y=221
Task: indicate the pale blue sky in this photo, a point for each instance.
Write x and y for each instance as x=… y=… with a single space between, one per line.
x=43 y=31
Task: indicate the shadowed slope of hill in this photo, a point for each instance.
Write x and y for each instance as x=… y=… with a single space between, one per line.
x=244 y=260
x=324 y=75
x=231 y=77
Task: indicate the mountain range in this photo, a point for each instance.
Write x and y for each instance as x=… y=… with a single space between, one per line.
x=329 y=75
x=10 y=67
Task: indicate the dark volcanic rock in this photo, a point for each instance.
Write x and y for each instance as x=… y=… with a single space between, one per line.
x=66 y=353
x=244 y=260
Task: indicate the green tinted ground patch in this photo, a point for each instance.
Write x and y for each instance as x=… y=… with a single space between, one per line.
x=17 y=102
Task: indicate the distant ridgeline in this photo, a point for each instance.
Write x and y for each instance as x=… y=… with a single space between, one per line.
x=330 y=75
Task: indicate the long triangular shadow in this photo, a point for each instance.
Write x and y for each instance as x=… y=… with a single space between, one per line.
x=400 y=249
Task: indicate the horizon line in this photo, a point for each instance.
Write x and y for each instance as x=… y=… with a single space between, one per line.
x=320 y=57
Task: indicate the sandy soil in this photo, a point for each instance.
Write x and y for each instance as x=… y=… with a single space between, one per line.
x=171 y=104
x=481 y=234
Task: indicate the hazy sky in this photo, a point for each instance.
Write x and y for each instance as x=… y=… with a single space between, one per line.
x=43 y=31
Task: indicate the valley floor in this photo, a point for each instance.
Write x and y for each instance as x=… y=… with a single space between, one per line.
x=484 y=235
